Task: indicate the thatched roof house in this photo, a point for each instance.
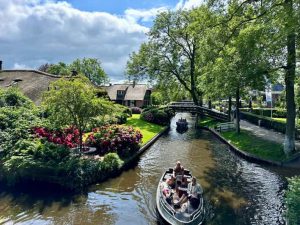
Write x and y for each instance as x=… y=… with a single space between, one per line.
x=31 y=82
x=129 y=94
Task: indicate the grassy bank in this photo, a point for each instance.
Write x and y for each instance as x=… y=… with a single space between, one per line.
x=148 y=130
x=252 y=144
x=208 y=122
x=249 y=143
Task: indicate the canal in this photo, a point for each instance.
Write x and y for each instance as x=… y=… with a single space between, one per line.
x=236 y=192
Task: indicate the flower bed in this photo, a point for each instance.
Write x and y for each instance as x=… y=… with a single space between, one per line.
x=68 y=137
x=115 y=138
x=136 y=110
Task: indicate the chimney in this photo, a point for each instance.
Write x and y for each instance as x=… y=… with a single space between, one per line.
x=0 y=64
x=74 y=73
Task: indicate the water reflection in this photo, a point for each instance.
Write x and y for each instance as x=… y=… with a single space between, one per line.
x=236 y=191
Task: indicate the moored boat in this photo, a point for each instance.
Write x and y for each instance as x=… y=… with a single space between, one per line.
x=186 y=214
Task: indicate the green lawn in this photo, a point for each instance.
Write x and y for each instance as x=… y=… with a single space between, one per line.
x=247 y=142
x=149 y=130
x=208 y=122
x=283 y=120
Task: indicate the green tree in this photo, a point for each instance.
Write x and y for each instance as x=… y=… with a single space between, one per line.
x=170 y=53
x=61 y=69
x=91 y=68
x=74 y=102
x=292 y=200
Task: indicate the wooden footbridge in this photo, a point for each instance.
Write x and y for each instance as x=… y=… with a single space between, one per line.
x=189 y=106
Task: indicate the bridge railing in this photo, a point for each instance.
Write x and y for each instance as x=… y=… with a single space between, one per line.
x=179 y=106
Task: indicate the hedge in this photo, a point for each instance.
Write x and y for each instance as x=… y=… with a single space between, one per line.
x=278 y=113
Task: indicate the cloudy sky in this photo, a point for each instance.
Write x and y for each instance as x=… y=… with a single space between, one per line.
x=34 y=32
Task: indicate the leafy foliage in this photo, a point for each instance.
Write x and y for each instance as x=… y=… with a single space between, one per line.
x=13 y=97
x=74 y=102
x=136 y=110
x=292 y=199
x=69 y=137
x=89 y=67
x=120 y=139
x=156 y=115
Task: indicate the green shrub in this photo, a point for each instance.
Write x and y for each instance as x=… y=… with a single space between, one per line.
x=111 y=162
x=292 y=200
x=13 y=97
x=156 y=115
x=278 y=112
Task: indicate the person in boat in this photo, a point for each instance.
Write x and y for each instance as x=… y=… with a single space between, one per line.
x=177 y=197
x=166 y=191
x=171 y=182
x=178 y=170
x=194 y=191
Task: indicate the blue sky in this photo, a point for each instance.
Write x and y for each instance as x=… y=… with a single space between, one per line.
x=52 y=31
x=119 y=6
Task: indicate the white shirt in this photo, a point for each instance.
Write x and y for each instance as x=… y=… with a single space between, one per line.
x=194 y=189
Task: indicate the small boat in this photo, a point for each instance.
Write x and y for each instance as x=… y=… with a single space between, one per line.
x=187 y=215
x=182 y=124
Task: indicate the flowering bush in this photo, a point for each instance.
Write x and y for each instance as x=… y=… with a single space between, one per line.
x=115 y=138
x=68 y=137
x=155 y=115
x=136 y=110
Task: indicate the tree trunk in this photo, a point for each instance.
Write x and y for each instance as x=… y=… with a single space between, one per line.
x=289 y=141
x=229 y=108
x=80 y=141
x=193 y=82
x=237 y=111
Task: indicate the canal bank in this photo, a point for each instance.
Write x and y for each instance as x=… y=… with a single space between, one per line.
x=237 y=192
x=259 y=134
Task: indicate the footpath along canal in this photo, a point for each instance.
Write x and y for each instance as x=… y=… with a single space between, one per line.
x=237 y=192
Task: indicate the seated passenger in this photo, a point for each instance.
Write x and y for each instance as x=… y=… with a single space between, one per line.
x=171 y=182
x=178 y=169
x=194 y=191
x=166 y=192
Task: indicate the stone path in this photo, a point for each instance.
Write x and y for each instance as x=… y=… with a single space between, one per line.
x=270 y=135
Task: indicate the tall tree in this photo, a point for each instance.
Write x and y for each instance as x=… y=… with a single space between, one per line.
x=171 y=52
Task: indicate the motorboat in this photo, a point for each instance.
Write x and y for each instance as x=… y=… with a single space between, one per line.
x=187 y=213
x=182 y=124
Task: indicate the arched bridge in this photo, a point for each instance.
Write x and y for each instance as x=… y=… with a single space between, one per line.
x=189 y=106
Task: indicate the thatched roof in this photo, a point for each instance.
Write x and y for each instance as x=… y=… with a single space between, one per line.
x=31 y=82
x=136 y=92
x=112 y=90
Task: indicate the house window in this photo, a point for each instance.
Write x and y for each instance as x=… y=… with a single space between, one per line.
x=120 y=92
x=132 y=103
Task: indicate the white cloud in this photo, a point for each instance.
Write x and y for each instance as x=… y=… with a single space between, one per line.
x=34 y=32
x=38 y=31
x=142 y=14
x=188 y=4
x=18 y=66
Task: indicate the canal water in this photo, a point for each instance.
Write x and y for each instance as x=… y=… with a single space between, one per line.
x=236 y=192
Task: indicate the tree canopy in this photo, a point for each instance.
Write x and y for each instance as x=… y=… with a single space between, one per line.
x=89 y=67
x=222 y=49
x=74 y=102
